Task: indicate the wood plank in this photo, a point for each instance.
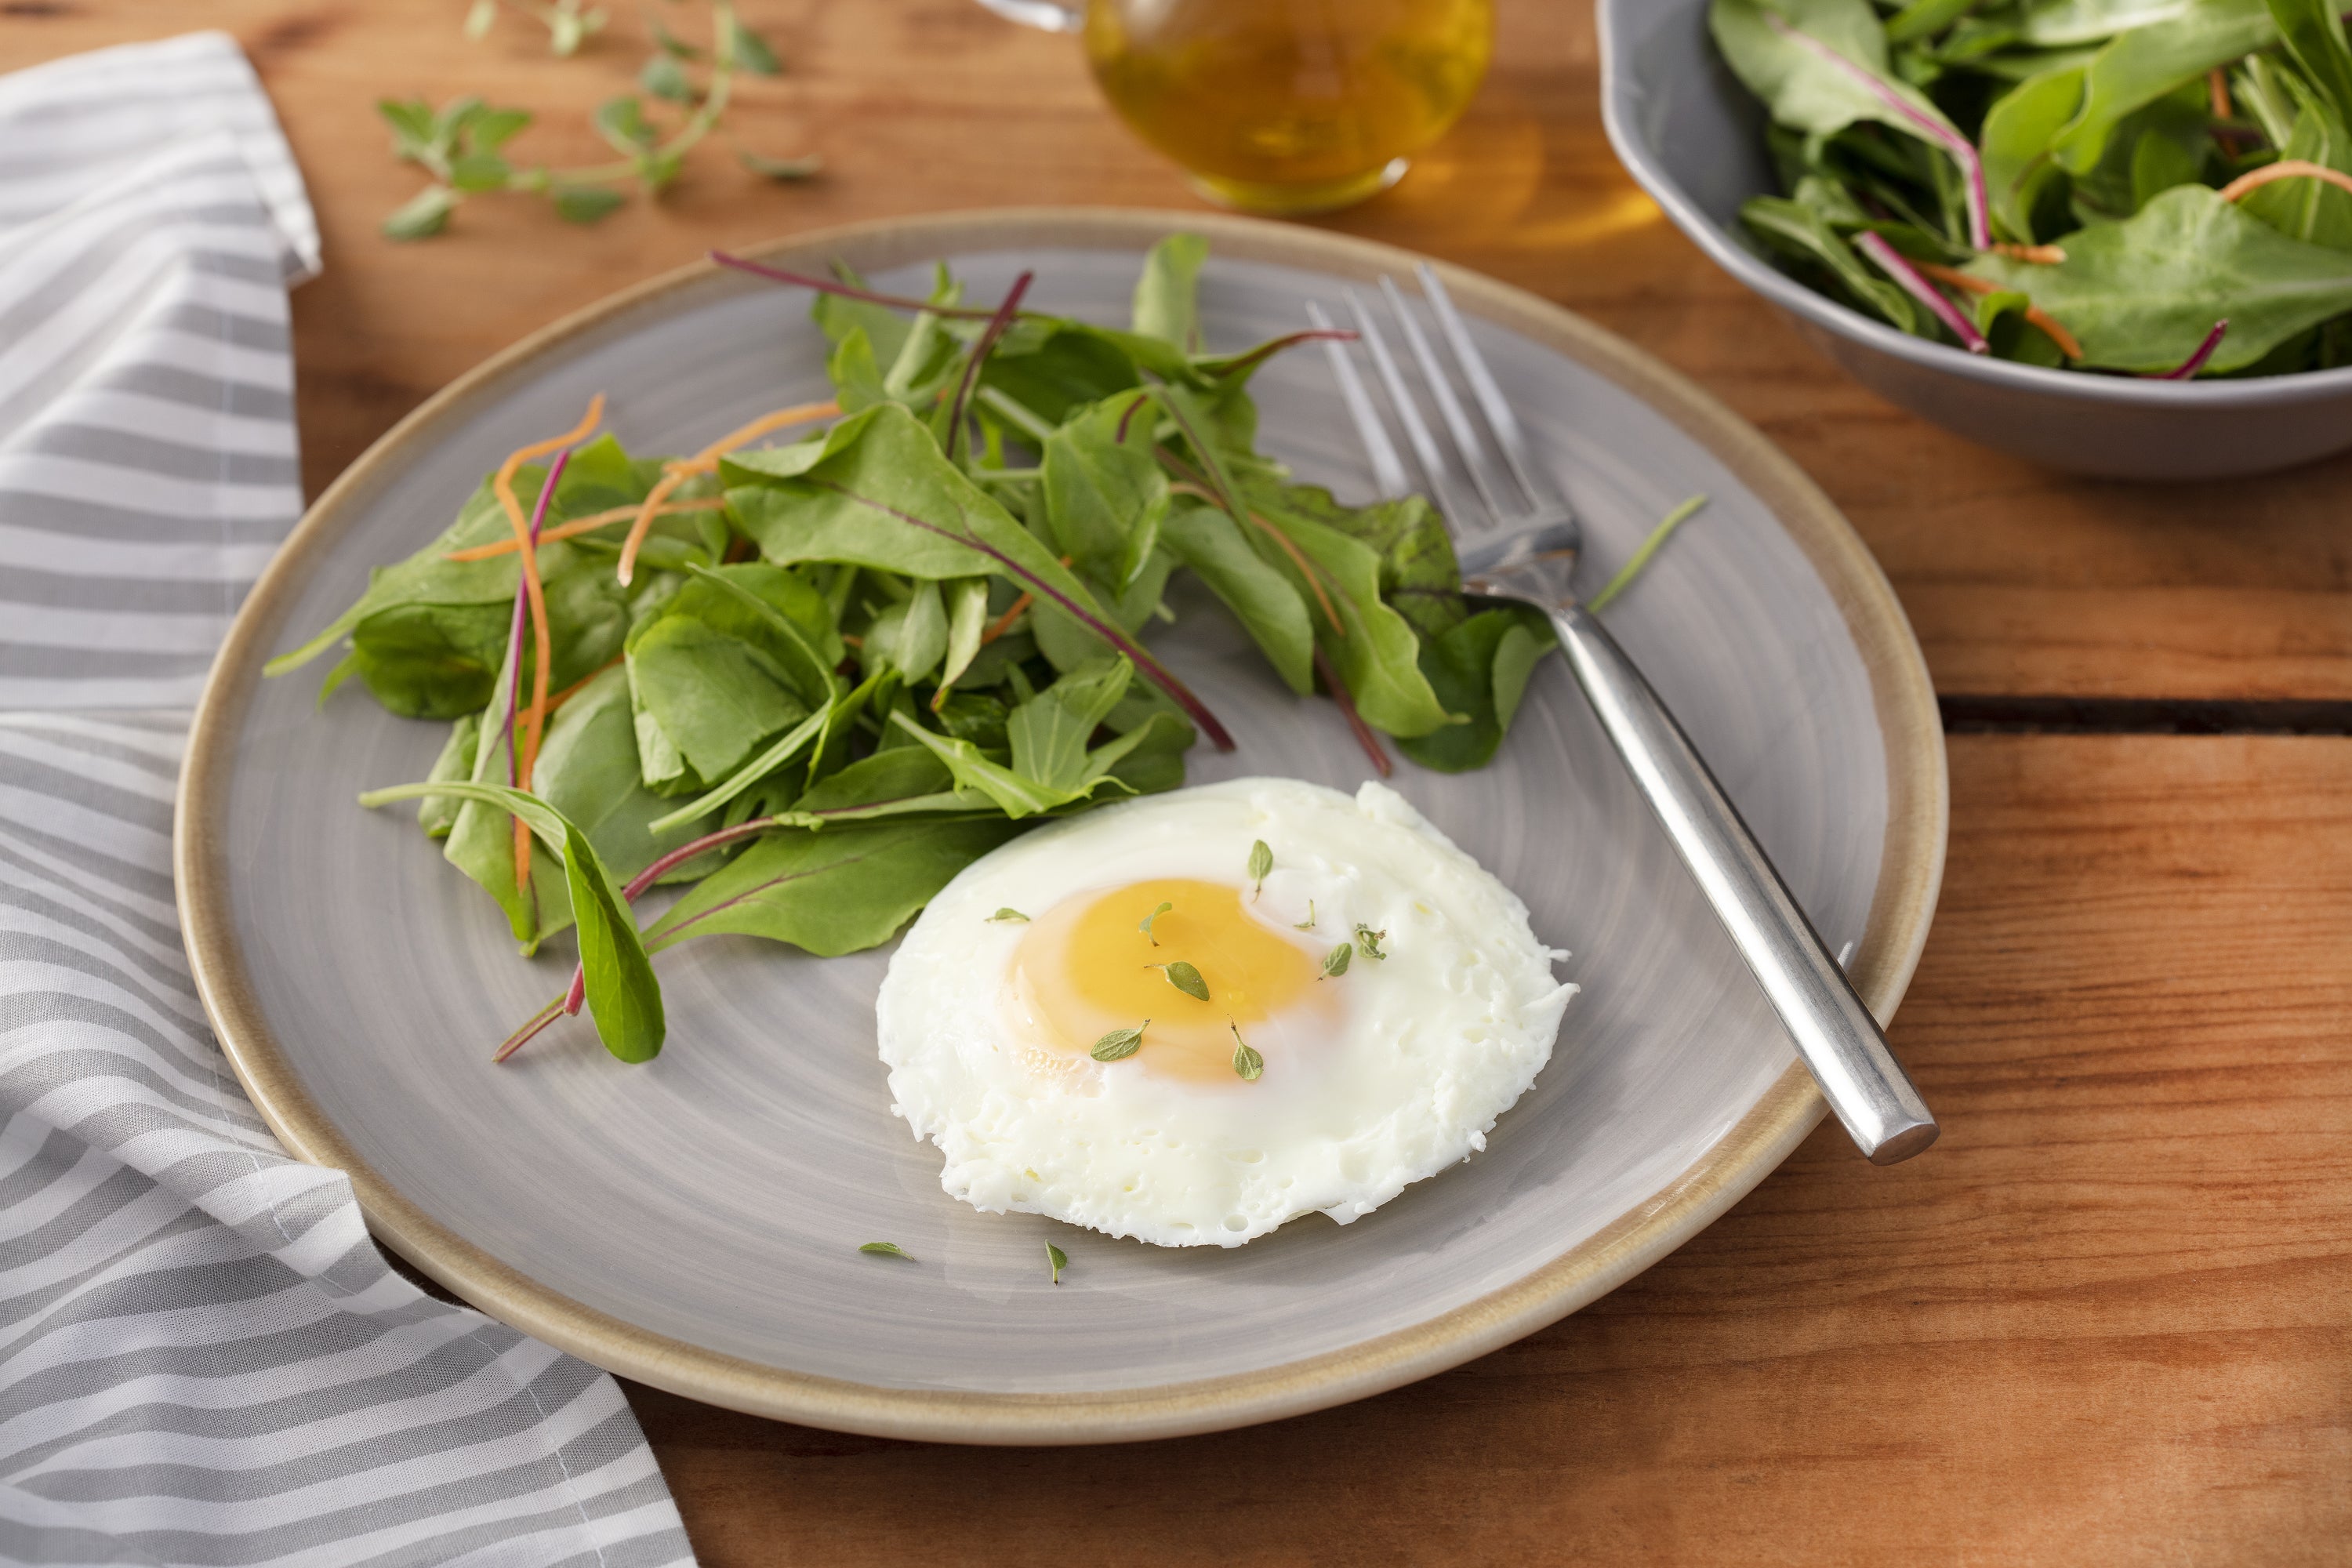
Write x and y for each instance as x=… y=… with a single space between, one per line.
x=2107 y=1319
x=2017 y=581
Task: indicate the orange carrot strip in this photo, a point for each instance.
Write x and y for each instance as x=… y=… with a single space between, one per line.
x=556 y=703
x=652 y=509
x=1970 y=283
x=2284 y=169
x=580 y=525
x=2217 y=87
x=543 y=640
x=1003 y=623
x=782 y=418
x=2040 y=255
x=677 y=473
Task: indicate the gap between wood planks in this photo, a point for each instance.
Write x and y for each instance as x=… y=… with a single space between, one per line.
x=1966 y=715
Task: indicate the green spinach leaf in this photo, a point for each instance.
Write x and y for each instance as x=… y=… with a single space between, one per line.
x=1167 y=293
x=2146 y=63
x=1260 y=596
x=1479 y=668
x=2142 y=294
x=1778 y=47
x=437 y=814
x=837 y=890
x=624 y=996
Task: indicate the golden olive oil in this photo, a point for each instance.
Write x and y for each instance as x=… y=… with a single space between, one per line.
x=1290 y=105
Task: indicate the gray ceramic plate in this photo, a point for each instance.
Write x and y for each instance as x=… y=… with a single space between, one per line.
x=693 y=1223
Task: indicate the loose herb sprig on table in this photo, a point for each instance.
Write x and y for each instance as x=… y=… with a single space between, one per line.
x=2161 y=188
x=569 y=23
x=811 y=683
x=463 y=144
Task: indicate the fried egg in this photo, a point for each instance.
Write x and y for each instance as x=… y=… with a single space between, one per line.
x=1273 y=1075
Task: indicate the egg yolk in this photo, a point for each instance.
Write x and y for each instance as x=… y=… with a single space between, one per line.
x=1086 y=967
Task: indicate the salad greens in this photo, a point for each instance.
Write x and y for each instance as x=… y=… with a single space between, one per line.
x=812 y=682
x=2159 y=187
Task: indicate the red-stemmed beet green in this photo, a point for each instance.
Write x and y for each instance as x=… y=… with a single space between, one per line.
x=981 y=350
x=1893 y=262
x=1250 y=359
x=1214 y=367
x=2187 y=368
x=1153 y=670
x=1221 y=487
x=1961 y=149
x=847 y=290
x=636 y=886
x=1356 y=725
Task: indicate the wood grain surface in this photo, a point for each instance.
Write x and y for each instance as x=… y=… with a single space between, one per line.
x=2107 y=1319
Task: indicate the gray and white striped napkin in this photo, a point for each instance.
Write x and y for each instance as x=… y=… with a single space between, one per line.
x=203 y=1357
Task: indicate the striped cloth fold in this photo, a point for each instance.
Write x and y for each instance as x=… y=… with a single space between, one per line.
x=203 y=1357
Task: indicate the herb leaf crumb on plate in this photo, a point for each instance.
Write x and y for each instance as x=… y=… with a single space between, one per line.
x=813 y=681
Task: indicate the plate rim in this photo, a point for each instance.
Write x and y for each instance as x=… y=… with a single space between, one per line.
x=1902 y=906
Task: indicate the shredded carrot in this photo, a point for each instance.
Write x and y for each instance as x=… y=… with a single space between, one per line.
x=580 y=525
x=703 y=462
x=2038 y=254
x=543 y=640
x=2217 y=84
x=556 y=703
x=2284 y=169
x=2068 y=344
x=1003 y=623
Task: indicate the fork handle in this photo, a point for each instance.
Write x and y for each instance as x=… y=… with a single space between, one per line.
x=1835 y=1033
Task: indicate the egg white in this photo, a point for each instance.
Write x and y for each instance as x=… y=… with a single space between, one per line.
x=1439 y=1039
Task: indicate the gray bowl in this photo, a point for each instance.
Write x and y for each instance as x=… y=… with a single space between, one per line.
x=1694 y=137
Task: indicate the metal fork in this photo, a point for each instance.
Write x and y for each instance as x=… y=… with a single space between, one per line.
x=1523 y=545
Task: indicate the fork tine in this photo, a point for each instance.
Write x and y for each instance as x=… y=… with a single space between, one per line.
x=1474 y=461
x=1388 y=468
x=1416 y=432
x=1510 y=438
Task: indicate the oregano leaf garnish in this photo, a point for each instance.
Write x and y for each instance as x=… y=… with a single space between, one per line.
x=1146 y=927
x=1260 y=861
x=886 y=1250
x=1247 y=1063
x=1184 y=977
x=459 y=145
x=1119 y=1044
x=1370 y=941
x=1008 y=915
x=1057 y=1259
x=1335 y=962
x=1308 y=923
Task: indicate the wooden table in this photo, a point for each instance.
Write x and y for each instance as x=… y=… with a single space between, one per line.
x=2107 y=1319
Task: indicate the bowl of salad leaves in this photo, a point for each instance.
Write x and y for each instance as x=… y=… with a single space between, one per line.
x=2111 y=235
